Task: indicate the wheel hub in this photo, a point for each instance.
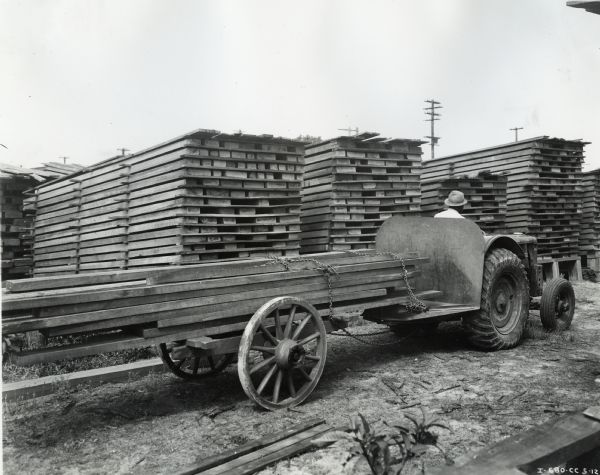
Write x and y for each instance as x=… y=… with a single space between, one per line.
x=503 y=303
x=288 y=354
x=562 y=307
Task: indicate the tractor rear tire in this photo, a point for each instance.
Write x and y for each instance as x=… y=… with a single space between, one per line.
x=501 y=320
x=557 y=305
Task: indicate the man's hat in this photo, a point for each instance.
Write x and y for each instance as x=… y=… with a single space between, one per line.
x=455 y=198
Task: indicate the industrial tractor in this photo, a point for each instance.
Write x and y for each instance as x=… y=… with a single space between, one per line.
x=488 y=281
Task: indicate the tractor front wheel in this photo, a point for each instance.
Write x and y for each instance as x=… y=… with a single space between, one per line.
x=501 y=320
x=557 y=305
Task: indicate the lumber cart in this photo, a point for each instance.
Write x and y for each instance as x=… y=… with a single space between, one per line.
x=273 y=314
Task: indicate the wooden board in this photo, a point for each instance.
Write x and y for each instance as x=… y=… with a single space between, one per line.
x=252 y=446
x=545 y=445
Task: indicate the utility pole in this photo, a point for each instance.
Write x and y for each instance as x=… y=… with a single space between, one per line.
x=432 y=117
x=350 y=130
x=516 y=129
x=123 y=150
x=64 y=159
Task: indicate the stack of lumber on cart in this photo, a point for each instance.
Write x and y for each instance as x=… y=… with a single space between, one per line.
x=352 y=184
x=485 y=193
x=589 y=239
x=169 y=304
x=543 y=190
x=16 y=224
x=202 y=196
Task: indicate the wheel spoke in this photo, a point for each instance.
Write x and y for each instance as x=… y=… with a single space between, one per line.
x=290 y=384
x=211 y=361
x=178 y=365
x=268 y=334
x=288 y=325
x=262 y=364
x=309 y=338
x=301 y=326
x=305 y=374
x=312 y=357
x=277 y=387
x=264 y=349
x=196 y=365
x=278 y=333
x=266 y=379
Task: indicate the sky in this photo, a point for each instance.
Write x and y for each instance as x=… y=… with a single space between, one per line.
x=82 y=78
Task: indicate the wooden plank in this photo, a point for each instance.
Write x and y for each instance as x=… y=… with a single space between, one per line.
x=249 y=306
x=545 y=445
x=156 y=275
x=202 y=272
x=252 y=446
x=254 y=461
x=32 y=388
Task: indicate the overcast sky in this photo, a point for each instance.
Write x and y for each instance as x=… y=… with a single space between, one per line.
x=81 y=78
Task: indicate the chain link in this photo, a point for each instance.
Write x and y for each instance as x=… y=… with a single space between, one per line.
x=414 y=303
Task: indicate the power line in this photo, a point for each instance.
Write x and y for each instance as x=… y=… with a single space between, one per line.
x=516 y=129
x=432 y=117
x=351 y=131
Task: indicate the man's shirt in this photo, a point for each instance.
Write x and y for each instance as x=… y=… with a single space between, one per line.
x=449 y=213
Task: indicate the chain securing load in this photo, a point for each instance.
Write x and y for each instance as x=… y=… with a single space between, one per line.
x=414 y=304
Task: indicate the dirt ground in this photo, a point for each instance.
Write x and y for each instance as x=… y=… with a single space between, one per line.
x=161 y=424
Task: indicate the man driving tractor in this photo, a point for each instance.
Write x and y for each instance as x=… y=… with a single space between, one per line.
x=455 y=202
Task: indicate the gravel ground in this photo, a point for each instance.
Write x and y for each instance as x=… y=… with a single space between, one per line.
x=161 y=424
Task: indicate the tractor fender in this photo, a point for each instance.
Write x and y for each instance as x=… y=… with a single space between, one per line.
x=503 y=242
x=454 y=249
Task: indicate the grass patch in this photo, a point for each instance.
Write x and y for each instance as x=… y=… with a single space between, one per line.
x=12 y=372
x=534 y=331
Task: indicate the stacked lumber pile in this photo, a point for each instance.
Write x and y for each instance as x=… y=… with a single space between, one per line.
x=543 y=190
x=16 y=224
x=485 y=193
x=589 y=239
x=352 y=184
x=169 y=304
x=202 y=196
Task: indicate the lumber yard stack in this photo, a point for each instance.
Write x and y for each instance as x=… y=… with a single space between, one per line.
x=203 y=196
x=16 y=224
x=485 y=193
x=175 y=303
x=589 y=239
x=352 y=184
x=543 y=189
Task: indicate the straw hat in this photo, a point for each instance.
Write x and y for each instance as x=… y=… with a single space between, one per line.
x=455 y=198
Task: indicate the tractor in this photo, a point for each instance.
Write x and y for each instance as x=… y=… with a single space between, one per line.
x=488 y=281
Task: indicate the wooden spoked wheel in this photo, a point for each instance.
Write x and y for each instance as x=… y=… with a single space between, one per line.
x=191 y=364
x=282 y=353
